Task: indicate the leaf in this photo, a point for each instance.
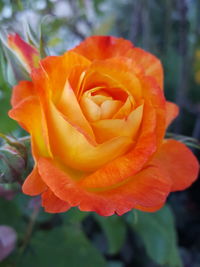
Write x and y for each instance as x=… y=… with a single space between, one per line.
x=74 y=216
x=62 y=247
x=115 y=231
x=10 y=214
x=157 y=230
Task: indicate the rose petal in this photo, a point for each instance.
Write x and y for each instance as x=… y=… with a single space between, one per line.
x=33 y=122
x=107 y=129
x=33 y=185
x=21 y=91
x=109 y=108
x=125 y=110
x=91 y=110
x=113 y=73
x=148 y=62
x=149 y=188
x=178 y=162
x=126 y=166
x=102 y=47
x=75 y=150
x=70 y=107
x=57 y=70
x=52 y=203
x=172 y=111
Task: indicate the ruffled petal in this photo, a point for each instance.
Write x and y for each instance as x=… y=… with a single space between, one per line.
x=178 y=162
x=52 y=203
x=149 y=188
x=33 y=185
x=103 y=47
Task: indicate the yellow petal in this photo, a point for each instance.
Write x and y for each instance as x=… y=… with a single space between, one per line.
x=72 y=148
x=108 y=129
x=109 y=108
x=125 y=110
x=90 y=109
x=70 y=107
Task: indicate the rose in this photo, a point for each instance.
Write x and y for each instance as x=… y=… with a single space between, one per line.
x=97 y=117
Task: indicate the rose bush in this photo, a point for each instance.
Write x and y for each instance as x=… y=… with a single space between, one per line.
x=97 y=117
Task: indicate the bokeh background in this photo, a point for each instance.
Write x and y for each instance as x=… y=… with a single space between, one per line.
x=171 y=237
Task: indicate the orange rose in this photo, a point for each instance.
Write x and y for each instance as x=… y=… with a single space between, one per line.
x=97 y=117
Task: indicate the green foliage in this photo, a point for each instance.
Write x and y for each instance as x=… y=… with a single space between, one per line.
x=157 y=231
x=7 y=125
x=63 y=246
x=10 y=214
x=74 y=216
x=115 y=230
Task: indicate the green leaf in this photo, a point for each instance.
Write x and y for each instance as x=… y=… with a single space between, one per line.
x=74 y=216
x=10 y=214
x=7 y=125
x=157 y=230
x=61 y=247
x=115 y=231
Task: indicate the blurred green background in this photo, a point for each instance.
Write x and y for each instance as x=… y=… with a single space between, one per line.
x=171 y=30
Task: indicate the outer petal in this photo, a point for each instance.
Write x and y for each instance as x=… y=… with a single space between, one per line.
x=172 y=111
x=154 y=94
x=178 y=162
x=21 y=91
x=150 y=64
x=52 y=203
x=149 y=209
x=26 y=53
x=149 y=188
x=34 y=185
x=29 y=114
x=102 y=47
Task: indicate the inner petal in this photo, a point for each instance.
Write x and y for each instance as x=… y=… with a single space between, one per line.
x=70 y=108
x=91 y=110
x=109 y=108
x=100 y=103
x=108 y=129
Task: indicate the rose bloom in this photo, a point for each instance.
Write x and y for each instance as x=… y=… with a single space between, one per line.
x=97 y=118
